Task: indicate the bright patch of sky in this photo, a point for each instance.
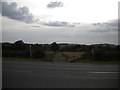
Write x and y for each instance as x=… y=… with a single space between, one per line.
x=71 y=21
x=85 y=11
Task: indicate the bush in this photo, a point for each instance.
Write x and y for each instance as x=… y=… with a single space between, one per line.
x=87 y=56
x=106 y=56
x=101 y=56
x=38 y=54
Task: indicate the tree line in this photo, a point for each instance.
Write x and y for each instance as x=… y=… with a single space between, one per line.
x=19 y=49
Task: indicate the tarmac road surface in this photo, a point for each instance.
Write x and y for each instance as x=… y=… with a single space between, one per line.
x=29 y=74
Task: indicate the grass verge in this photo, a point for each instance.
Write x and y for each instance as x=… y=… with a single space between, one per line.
x=21 y=59
x=73 y=61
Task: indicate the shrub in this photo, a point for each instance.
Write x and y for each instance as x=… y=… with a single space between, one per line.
x=38 y=54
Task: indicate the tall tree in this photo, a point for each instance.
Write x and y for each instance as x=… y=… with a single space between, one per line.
x=54 y=46
x=20 y=45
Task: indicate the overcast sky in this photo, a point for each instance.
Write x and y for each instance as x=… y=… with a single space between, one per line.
x=61 y=21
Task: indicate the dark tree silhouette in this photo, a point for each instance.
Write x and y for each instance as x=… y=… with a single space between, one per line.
x=20 y=45
x=54 y=46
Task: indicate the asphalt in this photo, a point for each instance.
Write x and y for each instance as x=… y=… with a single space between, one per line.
x=21 y=74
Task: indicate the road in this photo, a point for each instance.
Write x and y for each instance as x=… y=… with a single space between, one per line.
x=21 y=74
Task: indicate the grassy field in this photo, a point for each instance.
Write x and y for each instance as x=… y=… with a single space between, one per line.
x=71 y=57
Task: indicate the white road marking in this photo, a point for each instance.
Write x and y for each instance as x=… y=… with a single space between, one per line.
x=103 y=72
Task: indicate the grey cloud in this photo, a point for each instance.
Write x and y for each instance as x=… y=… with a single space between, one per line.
x=96 y=23
x=55 y=4
x=111 y=25
x=99 y=30
x=12 y=11
x=59 y=24
x=36 y=26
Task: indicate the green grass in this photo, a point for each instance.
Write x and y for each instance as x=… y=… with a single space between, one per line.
x=73 y=61
x=21 y=59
